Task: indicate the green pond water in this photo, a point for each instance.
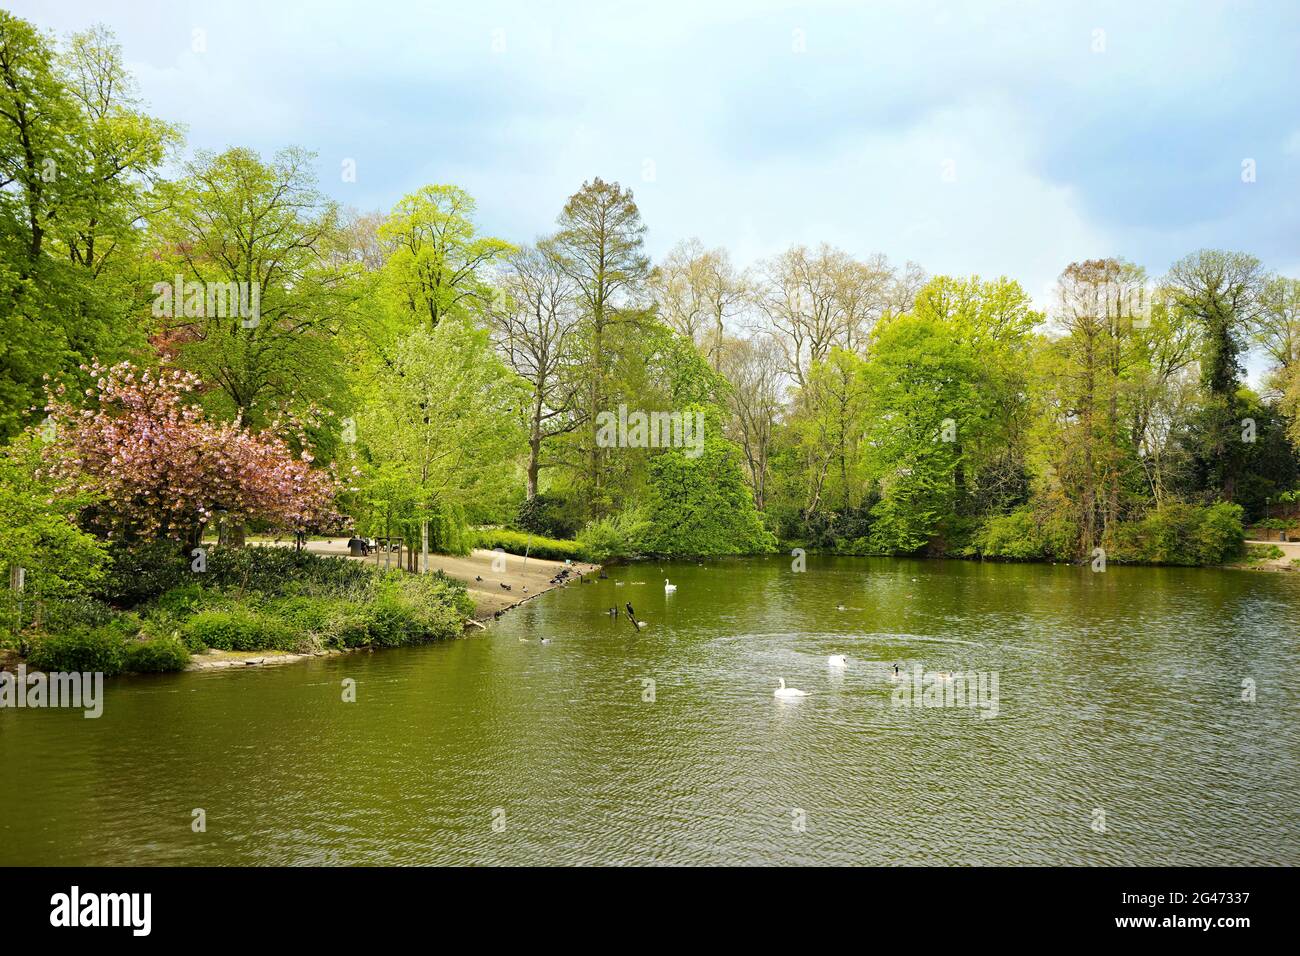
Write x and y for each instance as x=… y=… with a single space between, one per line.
x=1118 y=692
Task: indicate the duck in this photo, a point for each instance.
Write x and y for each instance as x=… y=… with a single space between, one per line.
x=840 y=607
x=546 y=640
x=669 y=588
x=787 y=692
x=837 y=660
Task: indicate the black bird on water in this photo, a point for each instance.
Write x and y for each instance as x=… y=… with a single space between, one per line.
x=631 y=616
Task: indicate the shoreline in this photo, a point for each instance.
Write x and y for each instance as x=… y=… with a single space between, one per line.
x=528 y=579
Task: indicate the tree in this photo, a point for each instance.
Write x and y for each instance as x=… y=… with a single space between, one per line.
x=599 y=244
x=257 y=233
x=38 y=530
x=436 y=259
x=924 y=387
x=700 y=505
x=159 y=468
x=442 y=420
x=1223 y=292
x=77 y=163
x=535 y=322
x=1277 y=327
x=697 y=291
x=752 y=367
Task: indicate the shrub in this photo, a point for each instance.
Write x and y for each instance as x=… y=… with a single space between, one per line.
x=1263 y=552
x=517 y=542
x=242 y=629
x=68 y=613
x=1182 y=533
x=90 y=650
x=548 y=515
x=283 y=571
x=142 y=571
x=613 y=539
x=157 y=656
x=1011 y=537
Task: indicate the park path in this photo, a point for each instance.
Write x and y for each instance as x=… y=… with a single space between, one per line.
x=527 y=579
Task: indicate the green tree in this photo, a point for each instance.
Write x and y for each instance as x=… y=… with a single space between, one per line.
x=437 y=261
x=599 y=244
x=443 y=421
x=258 y=232
x=700 y=504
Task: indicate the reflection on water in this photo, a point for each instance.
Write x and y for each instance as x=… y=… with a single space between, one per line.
x=1118 y=691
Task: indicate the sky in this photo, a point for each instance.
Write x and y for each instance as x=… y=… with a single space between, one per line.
x=991 y=138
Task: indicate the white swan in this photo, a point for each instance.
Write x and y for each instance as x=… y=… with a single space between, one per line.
x=546 y=640
x=669 y=588
x=787 y=692
x=837 y=660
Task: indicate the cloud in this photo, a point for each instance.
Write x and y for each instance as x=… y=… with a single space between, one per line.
x=759 y=123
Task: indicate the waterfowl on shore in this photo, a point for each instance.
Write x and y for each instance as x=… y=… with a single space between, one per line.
x=787 y=692
x=669 y=588
x=505 y=587
x=837 y=660
x=478 y=577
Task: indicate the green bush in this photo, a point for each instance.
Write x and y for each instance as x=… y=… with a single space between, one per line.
x=1182 y=534
x=66 y=614
x=517 y=542
x=282 y=571
x=1263 y=552
x=1011 y=537
x=242 y=629
x=157 y=656
x=612 y=539
x=547 y=515
x=91 y=650
x=140 y=572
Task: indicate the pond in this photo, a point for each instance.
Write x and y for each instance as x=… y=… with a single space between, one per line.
x=1097 y=718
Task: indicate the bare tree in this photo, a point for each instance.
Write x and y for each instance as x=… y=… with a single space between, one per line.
x=798 y=295
x=753 y=367
x=533 y=321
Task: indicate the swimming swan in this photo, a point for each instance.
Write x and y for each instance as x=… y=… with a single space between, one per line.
x=837 y=660
x=786 y=692
x=669 y=588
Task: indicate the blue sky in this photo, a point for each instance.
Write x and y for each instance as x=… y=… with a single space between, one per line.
x=756 y=124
